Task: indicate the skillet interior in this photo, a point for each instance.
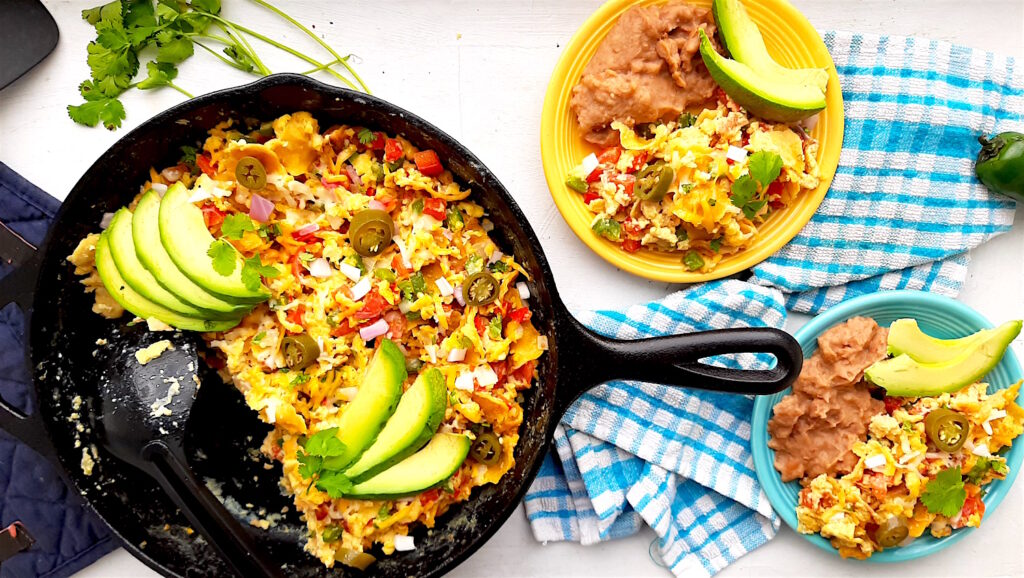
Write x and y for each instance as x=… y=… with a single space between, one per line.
x=224 y=432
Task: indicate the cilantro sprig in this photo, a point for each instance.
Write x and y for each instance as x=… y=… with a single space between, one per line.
x=321 y=462
x=225 y=259
x=763 y=167
x=174 y=28
x=945 y=494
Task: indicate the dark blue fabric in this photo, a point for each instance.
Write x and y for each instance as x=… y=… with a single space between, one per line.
x=68 y=535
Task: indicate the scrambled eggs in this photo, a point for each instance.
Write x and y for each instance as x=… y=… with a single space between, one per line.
x=317 y=181
x=897 y=463
x=716 y=196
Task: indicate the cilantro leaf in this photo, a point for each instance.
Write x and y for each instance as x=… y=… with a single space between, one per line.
x=241 y=58
x=502 y=267
x=109 y=12
x=109 y=111
x=112 y=70
x=236 y=224
x=744 y=189
x=174 y=50
x=474 y=264
x=224 y=257
x=983 y=466
x=366 y=136
x=764 y=167
x=211 y=6
x=160 y=74
x=299 y=379
x=494 y=327
x=253 y=270
x=309 y=465
x=316 y=444
x=385 y=274
x=945 y=494
x=334 y=483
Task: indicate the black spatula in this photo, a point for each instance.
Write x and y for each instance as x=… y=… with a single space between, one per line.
x=27 y=35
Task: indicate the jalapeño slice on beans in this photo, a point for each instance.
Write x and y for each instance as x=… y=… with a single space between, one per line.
x=947 y=429
x=371 y=232
x=251 y=173
x=299 y=351
x=892 y=532
x=653 y=182
x=486 y=449
x=480 y=289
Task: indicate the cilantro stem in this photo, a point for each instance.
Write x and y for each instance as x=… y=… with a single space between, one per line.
x=227 y=61
x=242 y=43
x=180 y=89
x=323 y=66
x=318 y=40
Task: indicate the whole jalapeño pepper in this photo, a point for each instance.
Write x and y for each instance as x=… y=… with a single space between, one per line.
x=1000 y=164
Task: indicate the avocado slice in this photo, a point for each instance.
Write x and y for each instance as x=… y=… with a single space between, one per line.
x=421 y=471
x=901 y=376
x=122 y=249
x=417 y=418
x=378 y=395
x=743 y=39
x=184 y=235
x=139 y=305
x=767 y=95
x=906 y=337
x=151 y=252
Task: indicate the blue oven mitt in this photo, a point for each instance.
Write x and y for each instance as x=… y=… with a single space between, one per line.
x=68 y=535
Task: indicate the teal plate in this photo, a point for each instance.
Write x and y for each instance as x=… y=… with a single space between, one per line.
x=937 y=316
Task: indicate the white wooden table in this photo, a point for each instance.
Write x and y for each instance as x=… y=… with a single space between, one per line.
x=479 y=70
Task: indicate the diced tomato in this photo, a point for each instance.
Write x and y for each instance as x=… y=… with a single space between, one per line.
x=610 y=155
x=480 y=324
x=396 y=324
x=373 y=306
x=428 y=163
x=775 y=195
x=306 y=238
x=296 y=266
x=295 y=315
x=595 y=175
x=378 y=141
x=389 y=202
x=525 y=372
x=876 y=483
x=431 y=496
x=392 y=150
x=212 y=216
x=371 y=191
x=321 y=511
x=627 y=181
x=892 y=403
x=721 y=96
x=342 y=329
x=638 y=161
x=590 y=197
x=630 y=245
x=401 y=271
x=204 y=164
x=805 y=498
x=435 y=208
x=630 y=227
x=520 y=315
x=973 y=505
x=500 y=369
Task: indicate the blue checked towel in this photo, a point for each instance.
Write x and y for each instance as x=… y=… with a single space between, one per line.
x=902 y=213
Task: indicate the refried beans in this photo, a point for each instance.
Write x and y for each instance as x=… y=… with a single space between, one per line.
x=814 y=428
x=646 y=69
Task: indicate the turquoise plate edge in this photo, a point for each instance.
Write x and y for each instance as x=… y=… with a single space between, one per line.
x=892 y=305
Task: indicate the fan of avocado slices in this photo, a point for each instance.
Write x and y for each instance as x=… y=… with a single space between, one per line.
x=161 y=262
x=752 y=77
x=926 y=366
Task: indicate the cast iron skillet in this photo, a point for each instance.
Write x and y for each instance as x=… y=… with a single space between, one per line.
x=224 y=432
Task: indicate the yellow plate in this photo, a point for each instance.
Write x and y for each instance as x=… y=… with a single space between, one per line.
x=790 y=39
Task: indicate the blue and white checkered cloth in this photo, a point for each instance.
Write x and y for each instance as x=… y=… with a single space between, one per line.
x=902 y=213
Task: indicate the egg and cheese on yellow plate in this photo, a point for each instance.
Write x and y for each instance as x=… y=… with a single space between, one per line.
x=349 y=289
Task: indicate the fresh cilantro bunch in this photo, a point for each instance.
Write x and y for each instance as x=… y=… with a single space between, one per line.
x=763 y=168
x=321 y=462
x=124 y=28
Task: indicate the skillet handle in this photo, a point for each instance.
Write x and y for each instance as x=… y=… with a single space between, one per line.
x=674 y=360
x=18 y=287
x=210 y=517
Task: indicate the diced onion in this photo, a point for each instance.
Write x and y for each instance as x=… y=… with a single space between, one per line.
x=524 y=290
x=985 y=426
x=996 y=414
x=464 y=381
x=589 y=163
x=350 y=271
x=374 y=330
x=346 y=393
x=485 y=376
x=495 y=256
x=456 y=355
x=307 y=229
x=172 y=174
x=403 y=250
x=105 y=221
x=875 y=461
x=444 y=286
x=360 y=289
x=405 y=307
x=404 y=543
x=377 y=205
x=320 y=268
x=736 y=154
x=160 y=189
x=542 y=342
x=458 y=295
x=432 y=352
x=487 y=225
x=352 y=174
x=260 y=209
x=981 y=450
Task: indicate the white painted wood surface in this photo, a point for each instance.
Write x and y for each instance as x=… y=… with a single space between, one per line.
x=479 y=70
